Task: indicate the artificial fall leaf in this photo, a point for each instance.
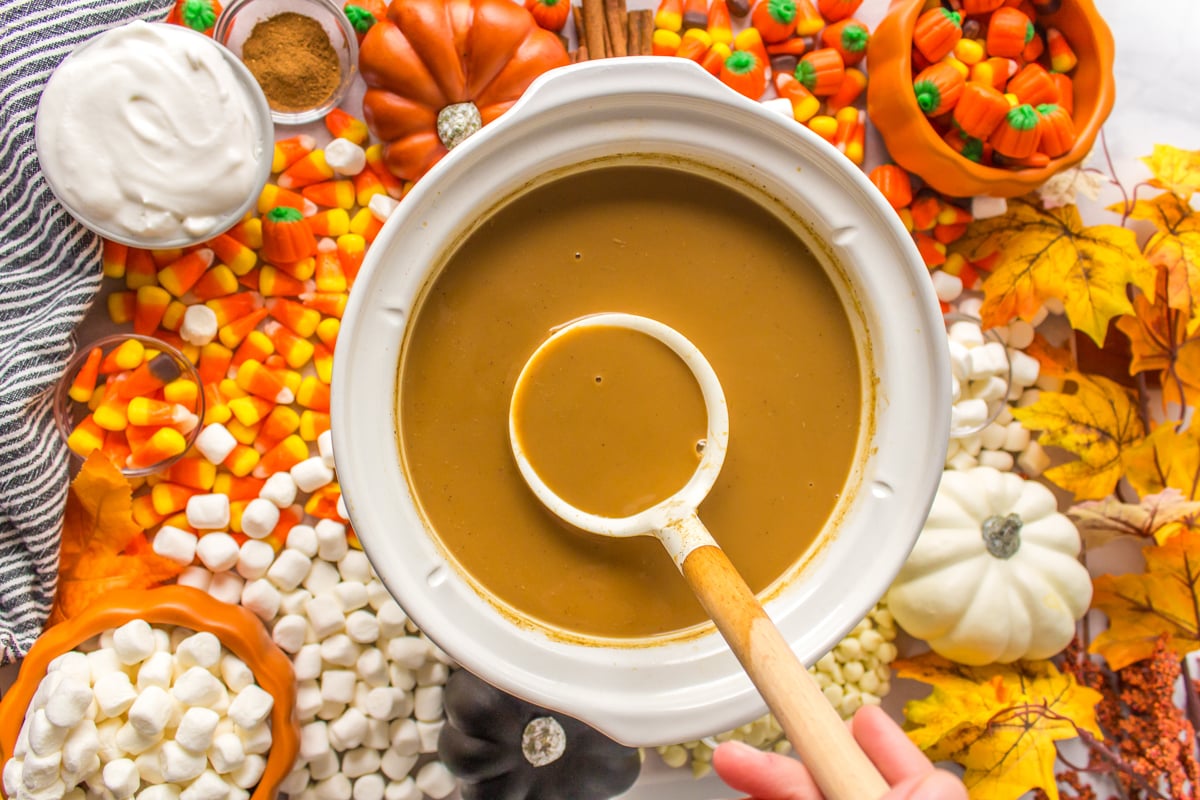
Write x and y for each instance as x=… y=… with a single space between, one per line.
x=1174 y=248
x=1165 y=459
x=1053 y=361
x=1000 y=722
x=1159 y=342
x=1177 y=171
x=1142 y=606
x=1045 y=253
x=102 y=547
x=1158 y=516
x=1098 y=423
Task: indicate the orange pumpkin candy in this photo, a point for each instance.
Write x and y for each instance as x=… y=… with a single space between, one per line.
x=436 y=70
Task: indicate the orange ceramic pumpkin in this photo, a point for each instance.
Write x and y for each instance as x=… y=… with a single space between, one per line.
x=914 y=144
x=436 y=70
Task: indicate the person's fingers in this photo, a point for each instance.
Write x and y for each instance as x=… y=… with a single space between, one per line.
x=936 y=785
x=897 y=758
x=763 y=776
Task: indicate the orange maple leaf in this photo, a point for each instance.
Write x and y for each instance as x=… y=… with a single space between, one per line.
x=1098 y=422
x=1142 y=606
x=1053 y=361
x=1049 y=253
x=1157 y=516
x=1000 y=721
x=1159 y=342
x=102 y=547
x=1174 y=248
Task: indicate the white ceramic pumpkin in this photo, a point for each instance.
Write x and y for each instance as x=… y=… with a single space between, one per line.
x=994 y=576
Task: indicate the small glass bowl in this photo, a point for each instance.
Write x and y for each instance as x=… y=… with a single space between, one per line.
x=994 y=407
x=237 y=21
x=68 y=413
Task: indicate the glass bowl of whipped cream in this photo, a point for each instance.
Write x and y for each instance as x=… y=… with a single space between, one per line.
x=154 y=136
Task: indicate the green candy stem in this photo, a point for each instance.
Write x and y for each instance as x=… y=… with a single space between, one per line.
x=1022 y=118
x=973 y=150
x=1029 y=32
x=929 y=97
x=360 y=19
x=806 y=74
x=854 y=38
x=741 y=62
x=284 y=214
x=782 y=11
x=198 y=14
x=953 y=16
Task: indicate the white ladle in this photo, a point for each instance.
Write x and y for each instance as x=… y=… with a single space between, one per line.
x=824 y=744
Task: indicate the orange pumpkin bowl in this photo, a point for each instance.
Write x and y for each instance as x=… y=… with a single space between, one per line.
x=915 y=145
x=238 y=629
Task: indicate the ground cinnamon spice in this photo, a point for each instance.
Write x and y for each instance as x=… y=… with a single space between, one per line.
x=292 y=59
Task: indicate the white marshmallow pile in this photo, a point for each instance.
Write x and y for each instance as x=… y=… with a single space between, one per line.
x=155 y=713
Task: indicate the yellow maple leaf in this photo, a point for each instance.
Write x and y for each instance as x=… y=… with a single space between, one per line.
x=1156 y=516
x=1177 y=171
x=1142 y=606
x=1045 y=253
x=1098 y=422
x=1000 y=721
x=102 y=547
x=1165 y=459
x=1174 y=249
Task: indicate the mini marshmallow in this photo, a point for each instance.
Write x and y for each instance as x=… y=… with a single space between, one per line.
x=226 y=753
x=348 y=731
x=314 y=740
x=68 y=705
x=331 y=540
x=157 y=670
x=340 y=650
x=199 y=325
x=249 y=773
x=335 y=787
x=992 y=437
x=121 y=778
x=427 y=703
x=984 y=207
x=208 y=512
x=345 y=157
x=432 y=673
x=1033 y=460
x=355 y=569
x=12 y=776
x=361 y=690
x=392 y=622
x=44 y=736
x=1016 y=437
x=968 y=414
x=261 y=598
x=377 y=735
x=307 y=662
x=195 y=687
x=196 y=729
x=81 y=745
x=115 y=693
x=428 y=733
x=295 y=782
x=308 y=698
x=215 y=443
x=152 y=710
x=218 y=551
x=435 y=780
x=966 y=333
x=279 y=489
x=322 y=577
x=990 y=389
x=311 y=474
x=1025 y=368
x=238 y=793
x=402 y=790
x=254 y=558
x=340 y=507
x=360 y=761
x=396 y=765
x=196 y=577
x=325 y=614
x=259 y=518
x=149 y=765
x=293 y=602
x=180 y=765
x=132 y=741
x=289 y=632
x=209 y=786
x=304 y=539
x=38 y=772
x=330 y=710
x=161 y=791
x=338 y=685
x=106 y=733
x=962 y=461
x=1020 y=334
x=369 y=787
x=350 y=594
x=384 y=703
x=255 y=740
x=290 y=568
x=996 y=459
x=408 y=651
x=371 y=667
x=200 y=649
x=382 y=206
x=377 y=593
x=133 y=642
x=175 y=544
x=325 y=447
x=988 y=359
x=70 y=664
x=404 y=737
x=401 y=677
x=322 y=767
x=947 y=287
x=251 y=706
x=362 y=627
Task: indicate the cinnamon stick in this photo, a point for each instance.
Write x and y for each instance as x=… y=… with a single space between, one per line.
x=641 y=32
x=580 y=24
x=594 y=28
x=615 y=15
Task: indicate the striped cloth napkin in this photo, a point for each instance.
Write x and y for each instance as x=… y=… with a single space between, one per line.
x=49 y=274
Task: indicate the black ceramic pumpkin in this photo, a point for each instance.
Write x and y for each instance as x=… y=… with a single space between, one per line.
x=502 y=748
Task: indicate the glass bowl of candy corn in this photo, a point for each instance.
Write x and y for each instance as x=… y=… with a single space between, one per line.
x=989 y=97
x=136 y=397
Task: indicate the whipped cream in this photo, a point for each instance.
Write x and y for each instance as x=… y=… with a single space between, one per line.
x=147 y=132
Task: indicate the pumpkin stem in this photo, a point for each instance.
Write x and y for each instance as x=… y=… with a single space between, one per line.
x=1002 y=535
x=456 y=122
x=543 y=741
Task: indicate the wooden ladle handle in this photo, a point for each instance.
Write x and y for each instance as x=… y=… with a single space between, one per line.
x=818 y=734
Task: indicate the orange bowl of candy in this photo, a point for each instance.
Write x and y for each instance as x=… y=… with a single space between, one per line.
x=136 y=397
x=169 y=684
x=992 y=97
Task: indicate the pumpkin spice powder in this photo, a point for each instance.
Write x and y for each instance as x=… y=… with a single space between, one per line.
x=292 y=59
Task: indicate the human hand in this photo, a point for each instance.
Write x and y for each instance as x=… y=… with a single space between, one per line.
x=768 y=776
